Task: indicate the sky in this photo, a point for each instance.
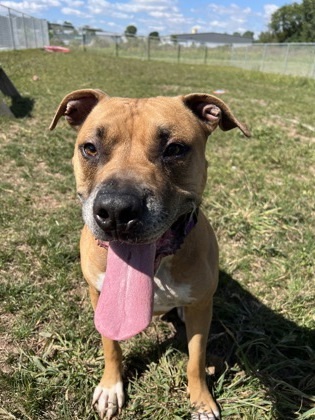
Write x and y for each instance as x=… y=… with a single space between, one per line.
x=164 y=16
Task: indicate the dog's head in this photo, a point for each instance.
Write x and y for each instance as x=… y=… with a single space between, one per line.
x=140 y=163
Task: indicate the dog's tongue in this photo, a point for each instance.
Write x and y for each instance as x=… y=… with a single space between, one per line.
x=125 y=304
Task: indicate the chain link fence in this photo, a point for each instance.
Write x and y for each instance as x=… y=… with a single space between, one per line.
x=292 y=58
x=19 y=30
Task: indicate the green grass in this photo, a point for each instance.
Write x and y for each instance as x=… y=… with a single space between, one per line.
x=260 y=199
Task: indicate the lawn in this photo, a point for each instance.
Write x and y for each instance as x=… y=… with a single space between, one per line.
x=260 y=199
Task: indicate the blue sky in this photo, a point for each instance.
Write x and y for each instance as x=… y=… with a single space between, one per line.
x=164 y=16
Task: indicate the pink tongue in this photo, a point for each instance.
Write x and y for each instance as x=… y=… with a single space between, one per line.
x=125 y=304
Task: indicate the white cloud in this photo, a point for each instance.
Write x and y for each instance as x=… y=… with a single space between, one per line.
x=218 y=24
x=165 y=16
x=30 y=7
x=155 y=8
x=156 y=28
x=118 y=15
x=269 y=9
x=231 y=10
x=74 y=3
x=232 y=18
x=74 y=12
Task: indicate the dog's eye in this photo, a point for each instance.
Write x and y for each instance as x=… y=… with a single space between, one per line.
x=175 y=150
x=88 y=150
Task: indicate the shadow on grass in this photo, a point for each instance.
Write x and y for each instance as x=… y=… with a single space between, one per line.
x=21 y=106
x=272 y=348
x=267 y=346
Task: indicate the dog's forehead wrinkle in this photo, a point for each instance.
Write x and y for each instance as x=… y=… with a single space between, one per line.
x=100 y=132
x=163 y=131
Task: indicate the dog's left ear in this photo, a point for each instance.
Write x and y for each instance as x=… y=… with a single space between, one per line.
x=76 y=106
x=213 y=112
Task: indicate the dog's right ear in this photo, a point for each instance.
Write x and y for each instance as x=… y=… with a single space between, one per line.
x=76 y=106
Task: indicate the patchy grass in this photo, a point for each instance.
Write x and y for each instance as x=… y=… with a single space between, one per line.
x=260 y=198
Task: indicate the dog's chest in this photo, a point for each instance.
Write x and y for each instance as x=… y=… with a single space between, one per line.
x=168 y=294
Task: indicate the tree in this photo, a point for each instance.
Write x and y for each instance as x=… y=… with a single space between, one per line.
x=286 y=23
x=266 y=37
x=154 y=35
x=293 y=23
x=248 y=34
x=131 y=31
x=174 y=39
x=308 y=32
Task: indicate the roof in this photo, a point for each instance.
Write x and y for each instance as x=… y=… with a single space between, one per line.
x=213 y=37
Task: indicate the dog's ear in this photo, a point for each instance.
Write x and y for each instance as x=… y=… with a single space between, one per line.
x=213 y=112
x=76 y=106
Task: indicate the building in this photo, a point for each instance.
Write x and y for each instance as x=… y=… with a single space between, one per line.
x=211 y=39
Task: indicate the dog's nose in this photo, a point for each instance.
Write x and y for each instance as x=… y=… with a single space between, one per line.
x=117 y=212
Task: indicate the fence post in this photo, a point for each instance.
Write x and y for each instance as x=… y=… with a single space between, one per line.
x=286 y=58
x=116 y=46
x=25 y=31
x=11 y=30
x=42 y=33
x=263 y=57
x=149 y=48
x=33 y=20
x=231 y=53
x=246 y=56
x=313 y=69
x=84 y=41
x=206 y=55
x=178 y=53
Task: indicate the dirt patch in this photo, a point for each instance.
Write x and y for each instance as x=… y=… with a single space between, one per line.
x=260 y=102
x=291 y=126
x=7 y=345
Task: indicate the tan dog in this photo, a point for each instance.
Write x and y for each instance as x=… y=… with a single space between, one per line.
x=140 y=170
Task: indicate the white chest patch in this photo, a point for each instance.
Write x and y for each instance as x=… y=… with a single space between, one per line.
x=167 y=293
x=99 y=281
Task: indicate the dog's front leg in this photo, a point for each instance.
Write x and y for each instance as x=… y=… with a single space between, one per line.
x=198 y=320
x=108 y=397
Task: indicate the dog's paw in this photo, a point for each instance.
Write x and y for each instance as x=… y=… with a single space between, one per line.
x=206 y=416
x=108 y=401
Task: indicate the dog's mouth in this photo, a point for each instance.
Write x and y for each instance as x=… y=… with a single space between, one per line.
x=125 y=304
x=171 y=240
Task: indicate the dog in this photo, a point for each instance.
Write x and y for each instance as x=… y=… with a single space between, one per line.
x=146 y=246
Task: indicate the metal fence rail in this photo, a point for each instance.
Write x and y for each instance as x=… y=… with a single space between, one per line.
x=19 y=30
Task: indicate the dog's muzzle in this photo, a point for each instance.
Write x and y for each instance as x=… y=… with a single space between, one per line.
x=128 y=213
x=117 y=213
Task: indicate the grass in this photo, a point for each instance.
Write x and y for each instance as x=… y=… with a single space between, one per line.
x=260 y=199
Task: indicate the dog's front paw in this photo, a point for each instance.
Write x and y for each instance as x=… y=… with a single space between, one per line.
x=108 y=401
x=206 y=416
x=206 y=412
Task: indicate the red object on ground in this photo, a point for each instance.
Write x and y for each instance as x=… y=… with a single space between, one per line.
x=56 y=48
